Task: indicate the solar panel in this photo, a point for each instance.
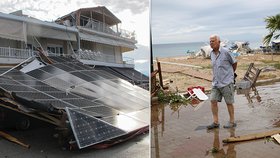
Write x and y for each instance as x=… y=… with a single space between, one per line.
x=59 y=83
x=93 y=75
x=33 y=95
x=32 y=83
x=55 y=103
x=44 y=88
x=81 y=102
x=83 y=76
x=21 y=77
x=74 y=66
x=103 y=110
x=89 y=130
x=99 y=105
x=86 y=67
x=52 y=70
x=7 y=81
x=16 y=88
x=61 y=95
x=124 y=122
x=71 y=79
x=57 y=59
x=63 y=67
x=39 y=74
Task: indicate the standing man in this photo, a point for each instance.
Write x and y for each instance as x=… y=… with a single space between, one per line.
x=223 y=66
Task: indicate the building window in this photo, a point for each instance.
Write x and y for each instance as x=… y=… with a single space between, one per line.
x=58 y=50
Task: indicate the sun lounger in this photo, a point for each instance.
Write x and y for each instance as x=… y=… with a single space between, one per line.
x=200 y=94
x=195 y=93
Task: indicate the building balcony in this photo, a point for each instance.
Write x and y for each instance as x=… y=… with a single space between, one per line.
x=104 y=28
x=14 y=55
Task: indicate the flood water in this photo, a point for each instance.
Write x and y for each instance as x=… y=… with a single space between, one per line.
x=180 y=131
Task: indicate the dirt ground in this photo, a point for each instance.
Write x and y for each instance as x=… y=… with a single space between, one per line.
x=177 y=75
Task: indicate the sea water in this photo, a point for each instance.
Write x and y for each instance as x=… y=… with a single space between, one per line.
x=185 y=49
x=175 y=49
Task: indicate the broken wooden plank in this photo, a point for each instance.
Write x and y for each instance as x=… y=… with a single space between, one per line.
x=13 y=139
x=251 y=136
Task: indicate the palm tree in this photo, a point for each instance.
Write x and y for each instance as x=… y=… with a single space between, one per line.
x=273 y=26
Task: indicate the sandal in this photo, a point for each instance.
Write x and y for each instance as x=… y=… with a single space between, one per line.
x=213 y=125
x=230 y=125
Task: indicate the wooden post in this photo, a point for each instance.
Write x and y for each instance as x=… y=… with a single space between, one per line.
x=159 y=73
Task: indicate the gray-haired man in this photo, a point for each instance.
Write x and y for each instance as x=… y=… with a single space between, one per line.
x=223 y=66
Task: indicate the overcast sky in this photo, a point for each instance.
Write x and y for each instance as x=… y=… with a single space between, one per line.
x=134 y=14
x=176 y=21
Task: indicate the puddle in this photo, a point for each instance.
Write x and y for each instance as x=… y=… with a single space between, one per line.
x=180 y=131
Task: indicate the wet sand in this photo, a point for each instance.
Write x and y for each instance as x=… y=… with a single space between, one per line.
x=183 y=133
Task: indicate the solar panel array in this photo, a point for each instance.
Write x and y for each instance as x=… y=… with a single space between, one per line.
x=93 y=99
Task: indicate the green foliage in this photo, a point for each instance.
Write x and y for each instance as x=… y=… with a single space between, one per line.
x=273 y=25
x=171 y=97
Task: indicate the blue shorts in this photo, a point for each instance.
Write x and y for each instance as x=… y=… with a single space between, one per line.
x=227 y=92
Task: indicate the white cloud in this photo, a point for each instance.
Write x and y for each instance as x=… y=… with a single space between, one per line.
x=193 y=21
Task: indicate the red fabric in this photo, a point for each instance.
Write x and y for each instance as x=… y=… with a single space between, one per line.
x=190 y=89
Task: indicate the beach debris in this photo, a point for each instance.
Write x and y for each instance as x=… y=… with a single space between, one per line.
x=206 y=50
x=197 y=91
x=251 y=136
x=249 y=82
x=276 y=137
x=269 y=68
x=241 y=48
x=195 y=95
x=250 y=78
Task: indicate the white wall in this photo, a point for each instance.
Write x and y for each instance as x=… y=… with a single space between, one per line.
x=118 y=55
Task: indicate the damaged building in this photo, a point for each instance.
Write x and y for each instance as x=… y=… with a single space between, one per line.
x=71 y=73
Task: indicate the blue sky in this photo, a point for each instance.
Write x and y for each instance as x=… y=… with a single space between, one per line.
x=177 y=21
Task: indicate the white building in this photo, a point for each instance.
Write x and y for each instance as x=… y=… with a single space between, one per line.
x=91 y=34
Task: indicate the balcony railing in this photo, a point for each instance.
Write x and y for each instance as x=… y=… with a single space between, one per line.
x=102 y=27
x=8 y=52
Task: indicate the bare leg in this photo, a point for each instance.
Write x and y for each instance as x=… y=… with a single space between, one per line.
x=214 y=108
x=231 y=112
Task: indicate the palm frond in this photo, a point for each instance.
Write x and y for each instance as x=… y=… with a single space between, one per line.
x=273 y=25
x=267 y=39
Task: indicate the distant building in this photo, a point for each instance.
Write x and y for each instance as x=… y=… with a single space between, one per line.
x=275 y=45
